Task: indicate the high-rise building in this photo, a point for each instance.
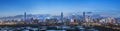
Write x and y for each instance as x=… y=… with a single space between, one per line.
x=25 y=16
x=62 y=19
x=84 y=17
x=108 y=20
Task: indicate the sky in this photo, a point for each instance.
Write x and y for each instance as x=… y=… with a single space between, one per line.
x=54 y=7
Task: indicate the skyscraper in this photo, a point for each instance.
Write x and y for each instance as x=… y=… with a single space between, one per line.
x=84 y=17
x=62 y=17
x=25 y=16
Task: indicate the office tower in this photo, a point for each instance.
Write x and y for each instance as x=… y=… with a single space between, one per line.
x=110 y=20
x=84 y=17
x=62 y=17
x=88 y=19
x=25 y=16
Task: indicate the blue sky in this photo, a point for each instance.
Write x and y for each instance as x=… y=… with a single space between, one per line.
x=54 y=7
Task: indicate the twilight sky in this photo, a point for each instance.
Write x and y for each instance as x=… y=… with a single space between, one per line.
x=54 y=7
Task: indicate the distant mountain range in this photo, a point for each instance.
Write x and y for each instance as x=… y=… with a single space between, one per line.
x=28 y=16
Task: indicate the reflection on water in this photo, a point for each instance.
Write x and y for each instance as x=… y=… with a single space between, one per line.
x=48 y=28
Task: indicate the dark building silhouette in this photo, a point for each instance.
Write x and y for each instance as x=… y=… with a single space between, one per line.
x=25 y=16
x=62 y=19
x=83 y=16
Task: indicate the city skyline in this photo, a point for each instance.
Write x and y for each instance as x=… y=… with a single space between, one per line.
x=55 y=7
x=59 y=15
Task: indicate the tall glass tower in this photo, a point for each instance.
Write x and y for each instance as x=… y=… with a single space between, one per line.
x=25 y=16
x=62 y=19
x=84 y=17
